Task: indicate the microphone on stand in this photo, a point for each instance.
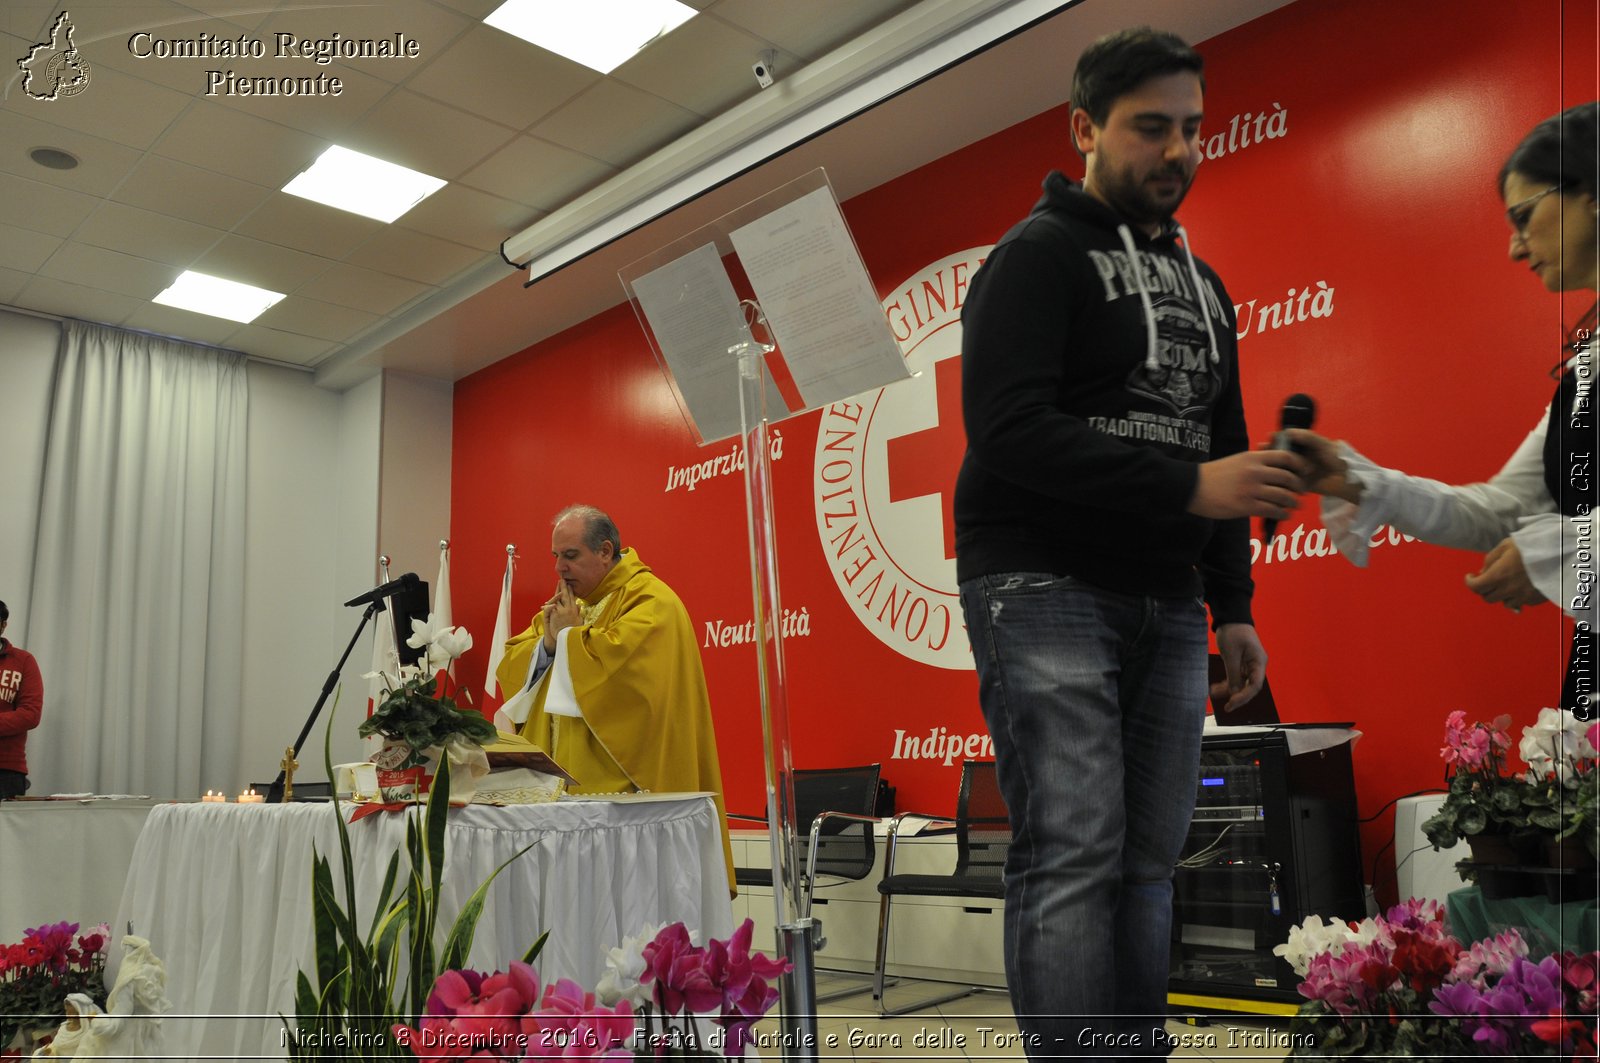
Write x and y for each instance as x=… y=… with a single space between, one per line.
x=1299 y=411
x=385 y=590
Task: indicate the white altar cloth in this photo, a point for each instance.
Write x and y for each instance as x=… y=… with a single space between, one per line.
x=65 y=860
x=223 y=893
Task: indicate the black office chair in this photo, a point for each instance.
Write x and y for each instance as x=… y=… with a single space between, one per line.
x=834 y=810
x=983 y=836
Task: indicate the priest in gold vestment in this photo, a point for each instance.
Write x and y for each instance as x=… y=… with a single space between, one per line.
x=609 y=673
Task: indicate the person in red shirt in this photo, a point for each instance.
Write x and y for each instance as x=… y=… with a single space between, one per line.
x=21 y=701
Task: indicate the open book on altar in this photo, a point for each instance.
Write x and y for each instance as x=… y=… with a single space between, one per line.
x=520 y=773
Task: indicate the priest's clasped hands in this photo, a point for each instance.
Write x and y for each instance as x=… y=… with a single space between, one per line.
x=561 y=611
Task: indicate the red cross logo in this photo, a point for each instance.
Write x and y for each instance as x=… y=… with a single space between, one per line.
x=926 y=462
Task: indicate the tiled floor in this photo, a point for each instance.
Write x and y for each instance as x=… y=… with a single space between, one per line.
x=981 y=1027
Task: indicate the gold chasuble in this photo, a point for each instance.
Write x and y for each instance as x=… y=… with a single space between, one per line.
x=636 y=676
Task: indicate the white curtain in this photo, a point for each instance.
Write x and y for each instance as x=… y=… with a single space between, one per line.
x=138 y=582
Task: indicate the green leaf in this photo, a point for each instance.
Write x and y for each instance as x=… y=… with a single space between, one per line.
x=459 y=943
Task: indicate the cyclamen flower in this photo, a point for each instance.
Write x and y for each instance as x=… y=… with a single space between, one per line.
x=51 y=944
x=1424 y=961
x=742 y=976
x=1310 y=938
x=625 y=970
x=1477 y=746
x=678 y=970
x=570 y=1024
x=1581 y=976
x=1350 y=981
x=473 y=1015
x=1489 y=958
x=1527 y=992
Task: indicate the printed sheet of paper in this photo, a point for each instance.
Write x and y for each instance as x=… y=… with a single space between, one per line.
x=694 y=312
x=819 y=300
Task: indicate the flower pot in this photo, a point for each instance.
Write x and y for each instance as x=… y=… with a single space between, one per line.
x=1499 y=882
x=1493 y=849
x=1567 y=852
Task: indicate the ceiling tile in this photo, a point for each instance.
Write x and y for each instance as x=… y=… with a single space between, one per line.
x=279 y=345
x=470 y=217
x=111 y=45
x=415 y=256
x=25 y=249
x=538 y=173
x=617 y=123
x=248 y=13
x=426 y=135
x=50 y=296
x=812 y=29
x=12 y=281
x=290 y=221
x=325 y=117
x=180 y=190
x=319 y=320
x=181 y=324
x=502 y=77
x=115 y=106
x=244 y=146
x=367 y=289
x=721 y=57
x=118 y=227
x=111 y=271
x=102 y=164
x=38 y=206
x=432 y=27
x=277 y=269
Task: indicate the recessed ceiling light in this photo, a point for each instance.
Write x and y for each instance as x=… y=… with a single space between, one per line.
x=363 y=185
x=600 y=34
x=54 y=158
x=205 y=294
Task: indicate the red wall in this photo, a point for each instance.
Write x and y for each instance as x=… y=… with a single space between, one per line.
x=1433 y=359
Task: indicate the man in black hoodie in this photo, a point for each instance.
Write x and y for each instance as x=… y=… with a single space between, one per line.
x=1102 y=504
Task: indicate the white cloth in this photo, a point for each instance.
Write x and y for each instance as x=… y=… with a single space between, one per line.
x=1514 y=502
x=76 y=854
x=138 y=604
x=223 y=892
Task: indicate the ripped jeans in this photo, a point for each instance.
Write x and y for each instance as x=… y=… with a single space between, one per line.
x=1095 y=701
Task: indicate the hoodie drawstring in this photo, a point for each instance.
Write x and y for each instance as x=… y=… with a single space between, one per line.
x=1199 y=294
x=1150 y=362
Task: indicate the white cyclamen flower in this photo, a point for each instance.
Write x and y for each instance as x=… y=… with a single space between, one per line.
x=1312 y=938
x=624 y=975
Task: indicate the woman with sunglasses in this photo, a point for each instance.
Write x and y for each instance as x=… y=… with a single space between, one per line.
x=1533 y=517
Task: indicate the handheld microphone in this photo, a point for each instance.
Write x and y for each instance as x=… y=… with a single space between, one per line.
x=1299 y=411
x=385 y=590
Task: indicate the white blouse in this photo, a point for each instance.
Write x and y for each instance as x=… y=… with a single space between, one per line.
x=1557 y=550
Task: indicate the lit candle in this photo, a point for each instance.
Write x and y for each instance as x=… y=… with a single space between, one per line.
x=250 y=797
x=214 y=797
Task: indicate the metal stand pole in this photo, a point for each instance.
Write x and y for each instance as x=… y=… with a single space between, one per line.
x=797 y=931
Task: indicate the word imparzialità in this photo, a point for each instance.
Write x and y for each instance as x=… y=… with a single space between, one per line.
x=690 y=476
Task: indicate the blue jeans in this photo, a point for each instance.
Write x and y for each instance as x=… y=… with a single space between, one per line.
x=1095 y=701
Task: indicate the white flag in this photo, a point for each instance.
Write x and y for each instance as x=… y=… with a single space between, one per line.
x=441 y=620
x=497 y=644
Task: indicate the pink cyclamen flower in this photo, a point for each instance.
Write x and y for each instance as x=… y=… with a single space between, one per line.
x=570 y=1024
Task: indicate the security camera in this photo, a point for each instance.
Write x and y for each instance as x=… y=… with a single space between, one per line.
x=763 y=70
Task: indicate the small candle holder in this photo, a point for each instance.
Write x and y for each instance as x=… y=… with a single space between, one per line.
x=214 y=797
x=250 y=797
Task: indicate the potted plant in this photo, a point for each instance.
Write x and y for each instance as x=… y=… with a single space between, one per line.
x=1486 y=804
x=1399 y=985
x=1562 y=795
x=420 y=722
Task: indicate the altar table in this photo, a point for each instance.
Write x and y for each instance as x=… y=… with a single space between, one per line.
x=223 y=893
x=65 y=860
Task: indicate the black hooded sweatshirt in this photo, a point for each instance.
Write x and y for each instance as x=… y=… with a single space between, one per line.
x=1094 y=380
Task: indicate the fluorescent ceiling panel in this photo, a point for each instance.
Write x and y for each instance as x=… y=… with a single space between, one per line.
x=600 y=34
x=205 y=294
x=363 y=185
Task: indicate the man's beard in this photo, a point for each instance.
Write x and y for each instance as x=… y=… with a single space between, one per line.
x=1134 y=200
